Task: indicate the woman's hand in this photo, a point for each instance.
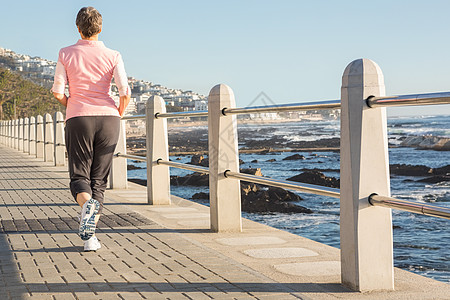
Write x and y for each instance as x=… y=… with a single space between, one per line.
x=62 y=98
x=124 y=101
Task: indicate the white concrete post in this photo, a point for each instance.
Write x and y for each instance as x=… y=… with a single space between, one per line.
x=20 y=127
x=25 y=134
x=225 y=193
x=16 y=133
x=8 y=133
x=158 y=176
x=366 y=231
x=39 y=137
x=11 y=132
x=2 y=132
x=118 y=176
x=32 y=135
x=59 y=142
x=49 y=147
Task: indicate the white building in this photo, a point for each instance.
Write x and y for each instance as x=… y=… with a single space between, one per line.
x=200 y=105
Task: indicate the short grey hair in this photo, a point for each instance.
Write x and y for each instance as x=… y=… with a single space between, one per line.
x=89 y=21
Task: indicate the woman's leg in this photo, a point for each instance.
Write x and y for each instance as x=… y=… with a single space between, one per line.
x=106 y=136
x=80 y=135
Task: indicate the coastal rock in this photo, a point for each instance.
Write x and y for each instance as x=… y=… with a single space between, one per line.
x=435 y=179
x=271 y=160
x=254 y=161
x=410 y=170
x=194 y=179
x=261 y=202
x=427 y=142
x=294 y=157
x=317 y=178
x=201 y=196
x=442 y=170
x=203 y=161
x=133 y=167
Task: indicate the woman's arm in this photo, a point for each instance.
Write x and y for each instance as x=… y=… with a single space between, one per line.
x=121 y=80
x=61 y=98
x=59 y=83
x=124 y=101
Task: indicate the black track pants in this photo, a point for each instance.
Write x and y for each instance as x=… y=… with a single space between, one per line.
x=90 y=143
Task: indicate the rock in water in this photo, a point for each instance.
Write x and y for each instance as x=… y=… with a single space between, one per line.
x=410 y=170
x=133 y=167
x=201 y=195
x=195 y=179
x=317 y=178
x=442 y=170
x=261 y=202
x=435 y=179
x=294 y=157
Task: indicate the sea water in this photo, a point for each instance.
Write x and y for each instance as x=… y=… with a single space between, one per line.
x=421 y=243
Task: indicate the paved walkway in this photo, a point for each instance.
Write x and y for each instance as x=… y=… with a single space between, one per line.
x=155 y=252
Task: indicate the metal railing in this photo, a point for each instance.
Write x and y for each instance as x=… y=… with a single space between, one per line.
x=410 y=206
x=361 y=233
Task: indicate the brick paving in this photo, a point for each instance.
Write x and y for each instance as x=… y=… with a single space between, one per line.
x=41 y=256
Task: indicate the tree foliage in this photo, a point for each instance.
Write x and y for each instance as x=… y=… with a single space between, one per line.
x=28 y=98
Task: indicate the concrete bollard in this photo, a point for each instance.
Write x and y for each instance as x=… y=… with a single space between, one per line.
x=11 y=133
x=2 y=132
x=20 y=135
x=39 y=137
x=158 y=176
x=118 y=175
x=366 y=232
x=225 y=193
x=16 y=133
x=32 y=136
x=59 y=146
x=49 y=148
x=25 y=134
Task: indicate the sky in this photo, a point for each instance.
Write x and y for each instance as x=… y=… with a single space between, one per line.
x=293 y=51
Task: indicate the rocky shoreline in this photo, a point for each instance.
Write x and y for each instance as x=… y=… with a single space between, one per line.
x=256 y=198
x=263 y=199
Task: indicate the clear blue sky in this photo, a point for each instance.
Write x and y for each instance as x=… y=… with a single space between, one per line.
x=293 y=51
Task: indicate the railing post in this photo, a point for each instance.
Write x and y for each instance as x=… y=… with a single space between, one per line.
x=39 y=137
x=32 y=135
x=158 y=176
x=16 y=133
x=366 y=232
x=49 y=153
x=59 y=142
x=11 y=133
x=2 y=132
x=118 y=176
x=8 y=133
x=225 y=193
x=20 y=135
x=25 y=134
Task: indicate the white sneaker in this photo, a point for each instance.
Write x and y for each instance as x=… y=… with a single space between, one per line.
x=87 y=223
x=92 y=244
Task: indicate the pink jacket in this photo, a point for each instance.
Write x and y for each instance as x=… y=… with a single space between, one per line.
x=88 y=67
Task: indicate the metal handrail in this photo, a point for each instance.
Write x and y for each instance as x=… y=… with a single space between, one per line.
x=179 y=114
x=136 y=117
x=410 y=206
x=303 y=187
x=199 y=169
x=408 y=100
x=135 y=157
x=316 y=105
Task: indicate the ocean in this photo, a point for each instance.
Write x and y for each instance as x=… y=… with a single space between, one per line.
x=420 y=242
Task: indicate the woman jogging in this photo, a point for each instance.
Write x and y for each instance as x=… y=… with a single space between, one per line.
x=92 y=118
